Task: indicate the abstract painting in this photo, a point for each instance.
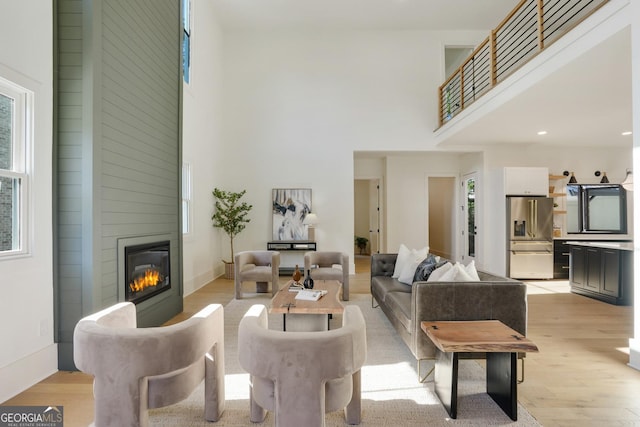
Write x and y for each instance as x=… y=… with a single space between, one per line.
x=290 y=206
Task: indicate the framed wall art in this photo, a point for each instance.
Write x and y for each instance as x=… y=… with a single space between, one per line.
x=290 y=206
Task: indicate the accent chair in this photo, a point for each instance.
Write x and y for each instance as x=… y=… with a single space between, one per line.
x=257 y=266
x=302 y=375
x=324 y=265
x=136 y=369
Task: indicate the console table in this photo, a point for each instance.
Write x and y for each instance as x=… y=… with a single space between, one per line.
x=288 y=261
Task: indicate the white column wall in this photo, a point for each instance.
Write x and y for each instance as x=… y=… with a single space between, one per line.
x=202 y=148
x=27 y=350
x=634 y=341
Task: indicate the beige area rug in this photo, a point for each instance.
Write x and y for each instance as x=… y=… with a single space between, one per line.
x=391 y=393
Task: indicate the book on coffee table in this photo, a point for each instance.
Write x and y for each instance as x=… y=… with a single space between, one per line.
x=309 y=295
x=294 y=287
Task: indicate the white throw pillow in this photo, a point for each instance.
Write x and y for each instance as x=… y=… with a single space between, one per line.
x=439 y=272
x=409 y=270
x=405 y=256
x=471 y=270
x=461 y=273
x=401 y=260
x=456 y=273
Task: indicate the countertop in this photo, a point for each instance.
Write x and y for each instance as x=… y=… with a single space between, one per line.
x=621 y=246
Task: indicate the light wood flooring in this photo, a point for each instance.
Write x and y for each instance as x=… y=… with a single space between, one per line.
x=579 y=378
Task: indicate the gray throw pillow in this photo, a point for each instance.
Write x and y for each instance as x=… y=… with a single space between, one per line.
x=426 y=267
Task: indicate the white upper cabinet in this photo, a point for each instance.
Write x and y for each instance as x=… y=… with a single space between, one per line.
x=526 y=181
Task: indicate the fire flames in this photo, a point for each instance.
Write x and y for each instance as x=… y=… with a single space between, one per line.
x=149 y=279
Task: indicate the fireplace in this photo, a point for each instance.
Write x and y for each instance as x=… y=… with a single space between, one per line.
x=147 y=271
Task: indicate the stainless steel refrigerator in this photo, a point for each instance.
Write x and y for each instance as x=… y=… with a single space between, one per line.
x=530 y=237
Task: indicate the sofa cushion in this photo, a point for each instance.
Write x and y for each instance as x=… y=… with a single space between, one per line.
x=400 y=304
x=382 y=285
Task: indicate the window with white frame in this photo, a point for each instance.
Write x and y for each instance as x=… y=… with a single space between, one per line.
x=186 y=198
x=186 y=40
x=15 y=110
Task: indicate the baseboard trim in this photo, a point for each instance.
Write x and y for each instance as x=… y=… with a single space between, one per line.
x=195 y=283
x=24 y=373
x=634 y=353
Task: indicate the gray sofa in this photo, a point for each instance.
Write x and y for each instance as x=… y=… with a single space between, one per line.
x=492 y=298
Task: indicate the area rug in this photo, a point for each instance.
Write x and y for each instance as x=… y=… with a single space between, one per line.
x=391 y=393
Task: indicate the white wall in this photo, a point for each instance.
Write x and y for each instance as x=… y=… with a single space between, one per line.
x=27 y=350
x=202 y=148
x=634 y=341
x=407 y=195
x=297 y=105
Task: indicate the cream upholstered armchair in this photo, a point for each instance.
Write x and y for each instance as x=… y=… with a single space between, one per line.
x=257 y=266
x=302 y=375
x=329 y=266
x=137 y=369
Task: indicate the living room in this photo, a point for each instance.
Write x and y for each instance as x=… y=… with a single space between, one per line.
x=278 y=109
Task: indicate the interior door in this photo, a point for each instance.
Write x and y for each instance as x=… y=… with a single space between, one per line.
x=470 y=229
x=374 y=215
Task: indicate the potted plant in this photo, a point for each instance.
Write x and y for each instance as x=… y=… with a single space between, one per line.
x=361 y=243
x=231 y=215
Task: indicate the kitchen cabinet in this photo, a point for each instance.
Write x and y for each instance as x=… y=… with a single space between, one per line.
x=526 y=181
x=602 y=271
x=560 y=259
x=577 y=269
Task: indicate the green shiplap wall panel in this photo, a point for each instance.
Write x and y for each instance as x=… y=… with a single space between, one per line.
x=132 y=51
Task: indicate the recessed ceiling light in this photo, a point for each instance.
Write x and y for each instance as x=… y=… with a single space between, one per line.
x=626 y=133
x=542 y=132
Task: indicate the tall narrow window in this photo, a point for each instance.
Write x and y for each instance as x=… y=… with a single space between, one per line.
x=186 y=40
x=14 y=109
x=186 y=198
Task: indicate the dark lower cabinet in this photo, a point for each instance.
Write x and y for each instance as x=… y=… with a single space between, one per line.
x=611 y=272
x=578 y=270
x=560 y=259
x=602 y=273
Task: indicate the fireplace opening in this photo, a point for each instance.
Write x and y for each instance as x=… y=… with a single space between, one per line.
x=147 y=270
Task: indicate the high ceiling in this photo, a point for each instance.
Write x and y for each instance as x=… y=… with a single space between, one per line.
x=363 y=14
x=587 y=102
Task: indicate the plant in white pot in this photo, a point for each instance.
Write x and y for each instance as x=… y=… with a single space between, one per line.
x=231 y=215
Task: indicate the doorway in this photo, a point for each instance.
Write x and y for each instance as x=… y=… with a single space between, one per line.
x=442 y=216
x=470 y=228
x=367 y=215
x=454 y=56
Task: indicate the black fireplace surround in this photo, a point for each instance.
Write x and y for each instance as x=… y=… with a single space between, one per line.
x=147 y=270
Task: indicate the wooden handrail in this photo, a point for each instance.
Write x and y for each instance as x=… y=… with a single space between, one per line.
x=510 y=45
x=475 y=52
x=510 y=15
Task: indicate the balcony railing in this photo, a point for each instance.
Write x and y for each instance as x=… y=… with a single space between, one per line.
x=531 y=26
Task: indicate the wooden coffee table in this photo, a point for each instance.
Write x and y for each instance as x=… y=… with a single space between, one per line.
x=301 y=315
x=501 y=345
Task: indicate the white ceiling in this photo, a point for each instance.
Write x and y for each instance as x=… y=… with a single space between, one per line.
x=363 y=14
x=585 y=103
x=588 y=102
